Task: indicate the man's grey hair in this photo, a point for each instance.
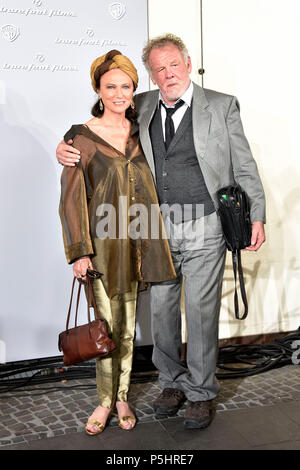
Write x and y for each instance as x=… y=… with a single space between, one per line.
x=161 y=41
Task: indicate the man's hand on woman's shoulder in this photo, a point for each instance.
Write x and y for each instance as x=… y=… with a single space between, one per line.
x=66 y=154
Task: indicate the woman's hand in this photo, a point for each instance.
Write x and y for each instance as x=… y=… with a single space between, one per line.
x=81 y=266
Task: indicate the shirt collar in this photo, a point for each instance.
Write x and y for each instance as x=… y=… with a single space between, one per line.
x=186 y=97
x=134 y=127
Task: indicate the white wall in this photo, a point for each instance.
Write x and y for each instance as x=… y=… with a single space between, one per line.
x=46 y=48
x=251 y=51
x=181 y=18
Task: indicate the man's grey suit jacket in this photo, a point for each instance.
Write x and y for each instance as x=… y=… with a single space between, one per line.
x=222 y=149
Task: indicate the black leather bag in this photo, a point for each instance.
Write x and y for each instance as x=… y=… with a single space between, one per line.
x=234 y=212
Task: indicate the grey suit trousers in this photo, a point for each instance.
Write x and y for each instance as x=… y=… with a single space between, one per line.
x=200 y=263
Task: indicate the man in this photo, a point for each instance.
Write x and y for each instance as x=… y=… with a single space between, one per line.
x=193 y=150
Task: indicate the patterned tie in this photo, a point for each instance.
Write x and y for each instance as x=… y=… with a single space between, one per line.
x=169 y=124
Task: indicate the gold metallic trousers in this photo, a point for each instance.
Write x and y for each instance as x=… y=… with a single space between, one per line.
x=113 y=372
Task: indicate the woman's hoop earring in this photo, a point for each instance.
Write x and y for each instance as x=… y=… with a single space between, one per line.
x=132 y=105
x=101 y=104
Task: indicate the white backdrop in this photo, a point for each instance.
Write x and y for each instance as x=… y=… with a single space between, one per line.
x=250 y=51
x=46 y=48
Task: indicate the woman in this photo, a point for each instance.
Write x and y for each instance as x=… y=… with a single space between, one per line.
x=97 y=199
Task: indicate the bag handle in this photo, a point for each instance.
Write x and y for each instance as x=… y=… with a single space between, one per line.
x=90 y=290
x=70 y=305
x=237 y=263
x=89 y=275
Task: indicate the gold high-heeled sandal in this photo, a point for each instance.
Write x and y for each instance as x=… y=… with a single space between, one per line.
x=127 y=418
x=96 y=423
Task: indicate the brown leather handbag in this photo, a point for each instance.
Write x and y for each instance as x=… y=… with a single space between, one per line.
x=88 y=341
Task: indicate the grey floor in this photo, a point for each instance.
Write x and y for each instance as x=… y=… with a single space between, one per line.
x=260 y=412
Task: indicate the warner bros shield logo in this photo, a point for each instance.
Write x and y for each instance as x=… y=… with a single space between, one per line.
x=10 y=32
x=117 y=10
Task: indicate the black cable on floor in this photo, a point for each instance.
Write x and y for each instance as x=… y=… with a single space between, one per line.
x=252 y=358
x=258 y=357
x=234 y=361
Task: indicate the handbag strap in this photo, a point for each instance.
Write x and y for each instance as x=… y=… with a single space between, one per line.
x=237 y=263
x=90 y=275
x=90 y=290
x=70 y=306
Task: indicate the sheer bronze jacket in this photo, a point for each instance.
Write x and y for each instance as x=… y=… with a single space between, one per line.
x=109 y=211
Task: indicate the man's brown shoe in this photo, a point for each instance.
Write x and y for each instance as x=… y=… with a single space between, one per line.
x=198 y=414
x=168 y=402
